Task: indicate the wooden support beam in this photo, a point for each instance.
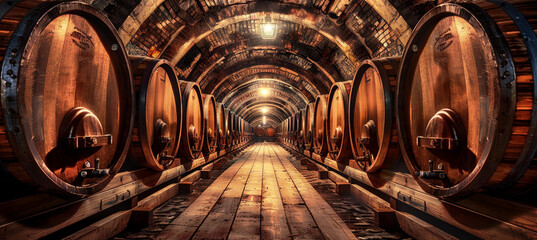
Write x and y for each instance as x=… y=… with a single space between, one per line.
x=55 y=219
x=186 y=187
x=103 y=229
x=206 y=171
x=419 y=229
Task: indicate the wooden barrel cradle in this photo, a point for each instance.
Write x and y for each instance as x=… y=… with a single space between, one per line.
x=308 y=126
x=270 y=132
x=157 y=129
x=209 y=111
x=466 y=109
x=373 y=134
x=320 y=144
x=67 y=97
x=337 y=126
x=193 y=122
x=221 y=126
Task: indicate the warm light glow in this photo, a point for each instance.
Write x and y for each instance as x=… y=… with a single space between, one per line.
x=264 y=110
x=264 y=92
x=264 y=120
x=268 y=30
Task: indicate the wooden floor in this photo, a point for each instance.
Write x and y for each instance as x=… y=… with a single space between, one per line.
x=261 y=196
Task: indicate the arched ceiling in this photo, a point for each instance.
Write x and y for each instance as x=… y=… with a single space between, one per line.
x=219 y=44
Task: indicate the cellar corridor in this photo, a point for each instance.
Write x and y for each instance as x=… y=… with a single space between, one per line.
x=268 y=119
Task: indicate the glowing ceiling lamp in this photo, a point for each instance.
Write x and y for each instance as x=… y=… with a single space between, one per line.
x=264 y=110
x=269 y=30
x=264 y=92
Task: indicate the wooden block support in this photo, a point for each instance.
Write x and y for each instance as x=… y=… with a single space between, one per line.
x=142 y=215
x=323 y=172
x=186 y=187
x=304 y=161
x=342 y=188
x=312 y=165
x=342 y=184
x=206 y=171
x=384 y=214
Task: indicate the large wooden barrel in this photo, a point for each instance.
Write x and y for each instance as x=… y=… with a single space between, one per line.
x=320 y=145
x=67 y=97
x=193 y=122
x=209 y=112
x=270 y=132
x=308 y=126
x=285 y=129
x=235 y=124
x=293 y=128
x=373 y=134
x=337 y=126
x=157 y=128
x=259 y=132
x=466 y=109
x=231 y=125
x=229 y=128
x=300 y=128
x=221 y=126
x=241 y=130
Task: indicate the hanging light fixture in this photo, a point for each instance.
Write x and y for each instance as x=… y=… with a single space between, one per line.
x=269 y=29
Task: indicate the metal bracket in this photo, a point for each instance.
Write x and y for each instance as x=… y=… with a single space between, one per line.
x=90 y=141
x=437 y=143
x=88 y=172
x=432 y=174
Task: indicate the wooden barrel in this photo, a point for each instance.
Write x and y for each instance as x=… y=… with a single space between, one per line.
x=259 y=132
x=193 y=121
x=229 y=128
x=337 y=126
x=293 y=128
x=241 y=130
x=320 y=145
x=209 y=111
x=270 y=132
x=373 y=134
x=308 y=126
x=284 y=130
x=231 y=125
x=157 y=128
x=466 y=109
x=221 y=126
x=235 y=129
x=67 y=97
x=299 y=129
